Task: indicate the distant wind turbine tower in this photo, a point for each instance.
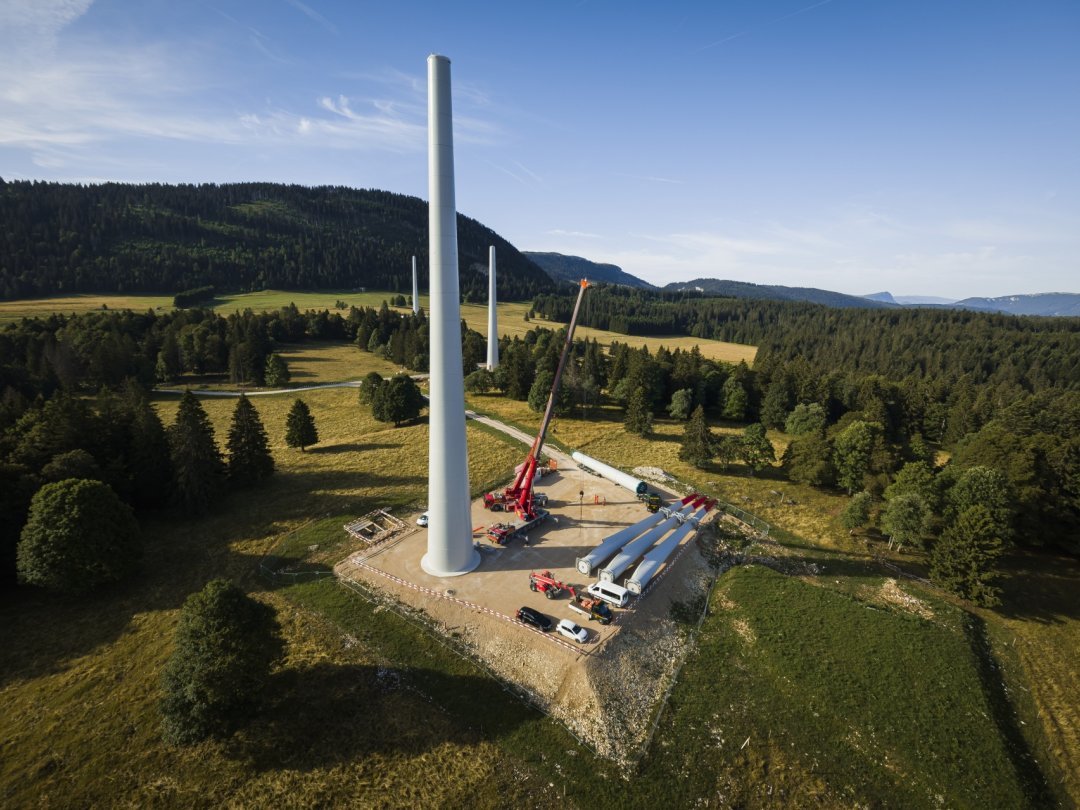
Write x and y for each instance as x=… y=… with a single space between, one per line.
x=450 y=550
x=415 y=289
x=493 y=318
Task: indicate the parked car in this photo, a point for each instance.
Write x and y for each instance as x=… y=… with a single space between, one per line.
x=534 y=617
x=422 y=520
x=573 y=631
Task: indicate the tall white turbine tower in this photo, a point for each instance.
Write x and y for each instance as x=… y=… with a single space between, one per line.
x=450 y=549
x=415 y=289
x=493 y=319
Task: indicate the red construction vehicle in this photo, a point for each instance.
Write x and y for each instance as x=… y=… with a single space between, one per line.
x=519 y=495
x=546 y=584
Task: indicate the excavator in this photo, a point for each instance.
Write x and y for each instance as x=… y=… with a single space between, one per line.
x=519 y=495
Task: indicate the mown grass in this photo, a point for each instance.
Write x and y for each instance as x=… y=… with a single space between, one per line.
x=798 y=695
x=512 y=322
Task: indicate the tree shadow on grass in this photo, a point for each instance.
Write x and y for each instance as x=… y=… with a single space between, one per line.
x=1039 y=585
x=327 y=714
x=351 y=447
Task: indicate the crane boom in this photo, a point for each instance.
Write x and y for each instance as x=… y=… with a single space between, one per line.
x=521 y=490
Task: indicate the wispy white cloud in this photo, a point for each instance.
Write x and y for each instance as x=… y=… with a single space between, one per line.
x=313 y=15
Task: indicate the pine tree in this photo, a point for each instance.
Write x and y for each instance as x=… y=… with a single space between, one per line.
x=300 y=430
x=249 y=451
x=963 y=558
x=226 y=643
x=698 y=443
x=148 y=453
x=277 y=371
x=638 y=415
x=198 y=468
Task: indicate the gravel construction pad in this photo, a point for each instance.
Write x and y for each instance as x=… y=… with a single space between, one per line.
x=605 y=690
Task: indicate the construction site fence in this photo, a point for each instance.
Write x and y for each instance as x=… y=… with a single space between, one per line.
x=751 y=520
x=281 y=567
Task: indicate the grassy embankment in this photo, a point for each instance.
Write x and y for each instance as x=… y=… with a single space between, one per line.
x=823 y=677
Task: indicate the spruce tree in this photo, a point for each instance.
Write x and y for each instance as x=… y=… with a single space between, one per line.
x=300 y=430
x=249 y=452
x=148 y=453
x=226 y=643
x=198 y=469
x=698 y=443
x=638 y=416
x=963 y=558
x=277 y=371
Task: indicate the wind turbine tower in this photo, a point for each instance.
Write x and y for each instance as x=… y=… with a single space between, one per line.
x=493 y=318
x=415 y=289
x=450 y=550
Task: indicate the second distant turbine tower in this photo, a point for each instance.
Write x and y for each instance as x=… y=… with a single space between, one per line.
x=415 y=289
x=493 y=318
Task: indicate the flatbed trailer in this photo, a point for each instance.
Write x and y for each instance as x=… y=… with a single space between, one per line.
x=503 y=533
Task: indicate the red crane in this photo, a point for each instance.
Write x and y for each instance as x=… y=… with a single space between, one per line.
x=520 y=493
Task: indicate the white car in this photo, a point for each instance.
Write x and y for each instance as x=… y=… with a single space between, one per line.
x=422 y=520
x=571 y=630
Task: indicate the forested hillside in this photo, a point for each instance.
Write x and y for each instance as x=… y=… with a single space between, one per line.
x=939 y=345
x=574 y=268
x=772 y=292
x=114 y=237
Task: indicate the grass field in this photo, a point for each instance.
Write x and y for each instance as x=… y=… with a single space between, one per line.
x=847 y=698
x=511 y=315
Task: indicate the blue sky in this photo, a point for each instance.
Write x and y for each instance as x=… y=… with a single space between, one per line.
x=920 y=146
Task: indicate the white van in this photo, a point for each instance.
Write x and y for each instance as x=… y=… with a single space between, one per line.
x=611 y=593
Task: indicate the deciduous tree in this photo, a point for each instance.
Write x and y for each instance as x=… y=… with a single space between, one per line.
x=397 y=400
x=904 y=520
x=226 y=644
x=79 y=536
x=755 y=449
x=852 y=449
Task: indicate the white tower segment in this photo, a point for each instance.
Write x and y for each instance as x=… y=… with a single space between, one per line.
x=415 y=289
x=493 y=319
x=450 y=549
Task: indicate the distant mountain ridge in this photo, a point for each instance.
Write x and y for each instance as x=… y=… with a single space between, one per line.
x=574 y=268
x=905 y=300
x=1052 y=304
x=775 y=292
x=1043 y=304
